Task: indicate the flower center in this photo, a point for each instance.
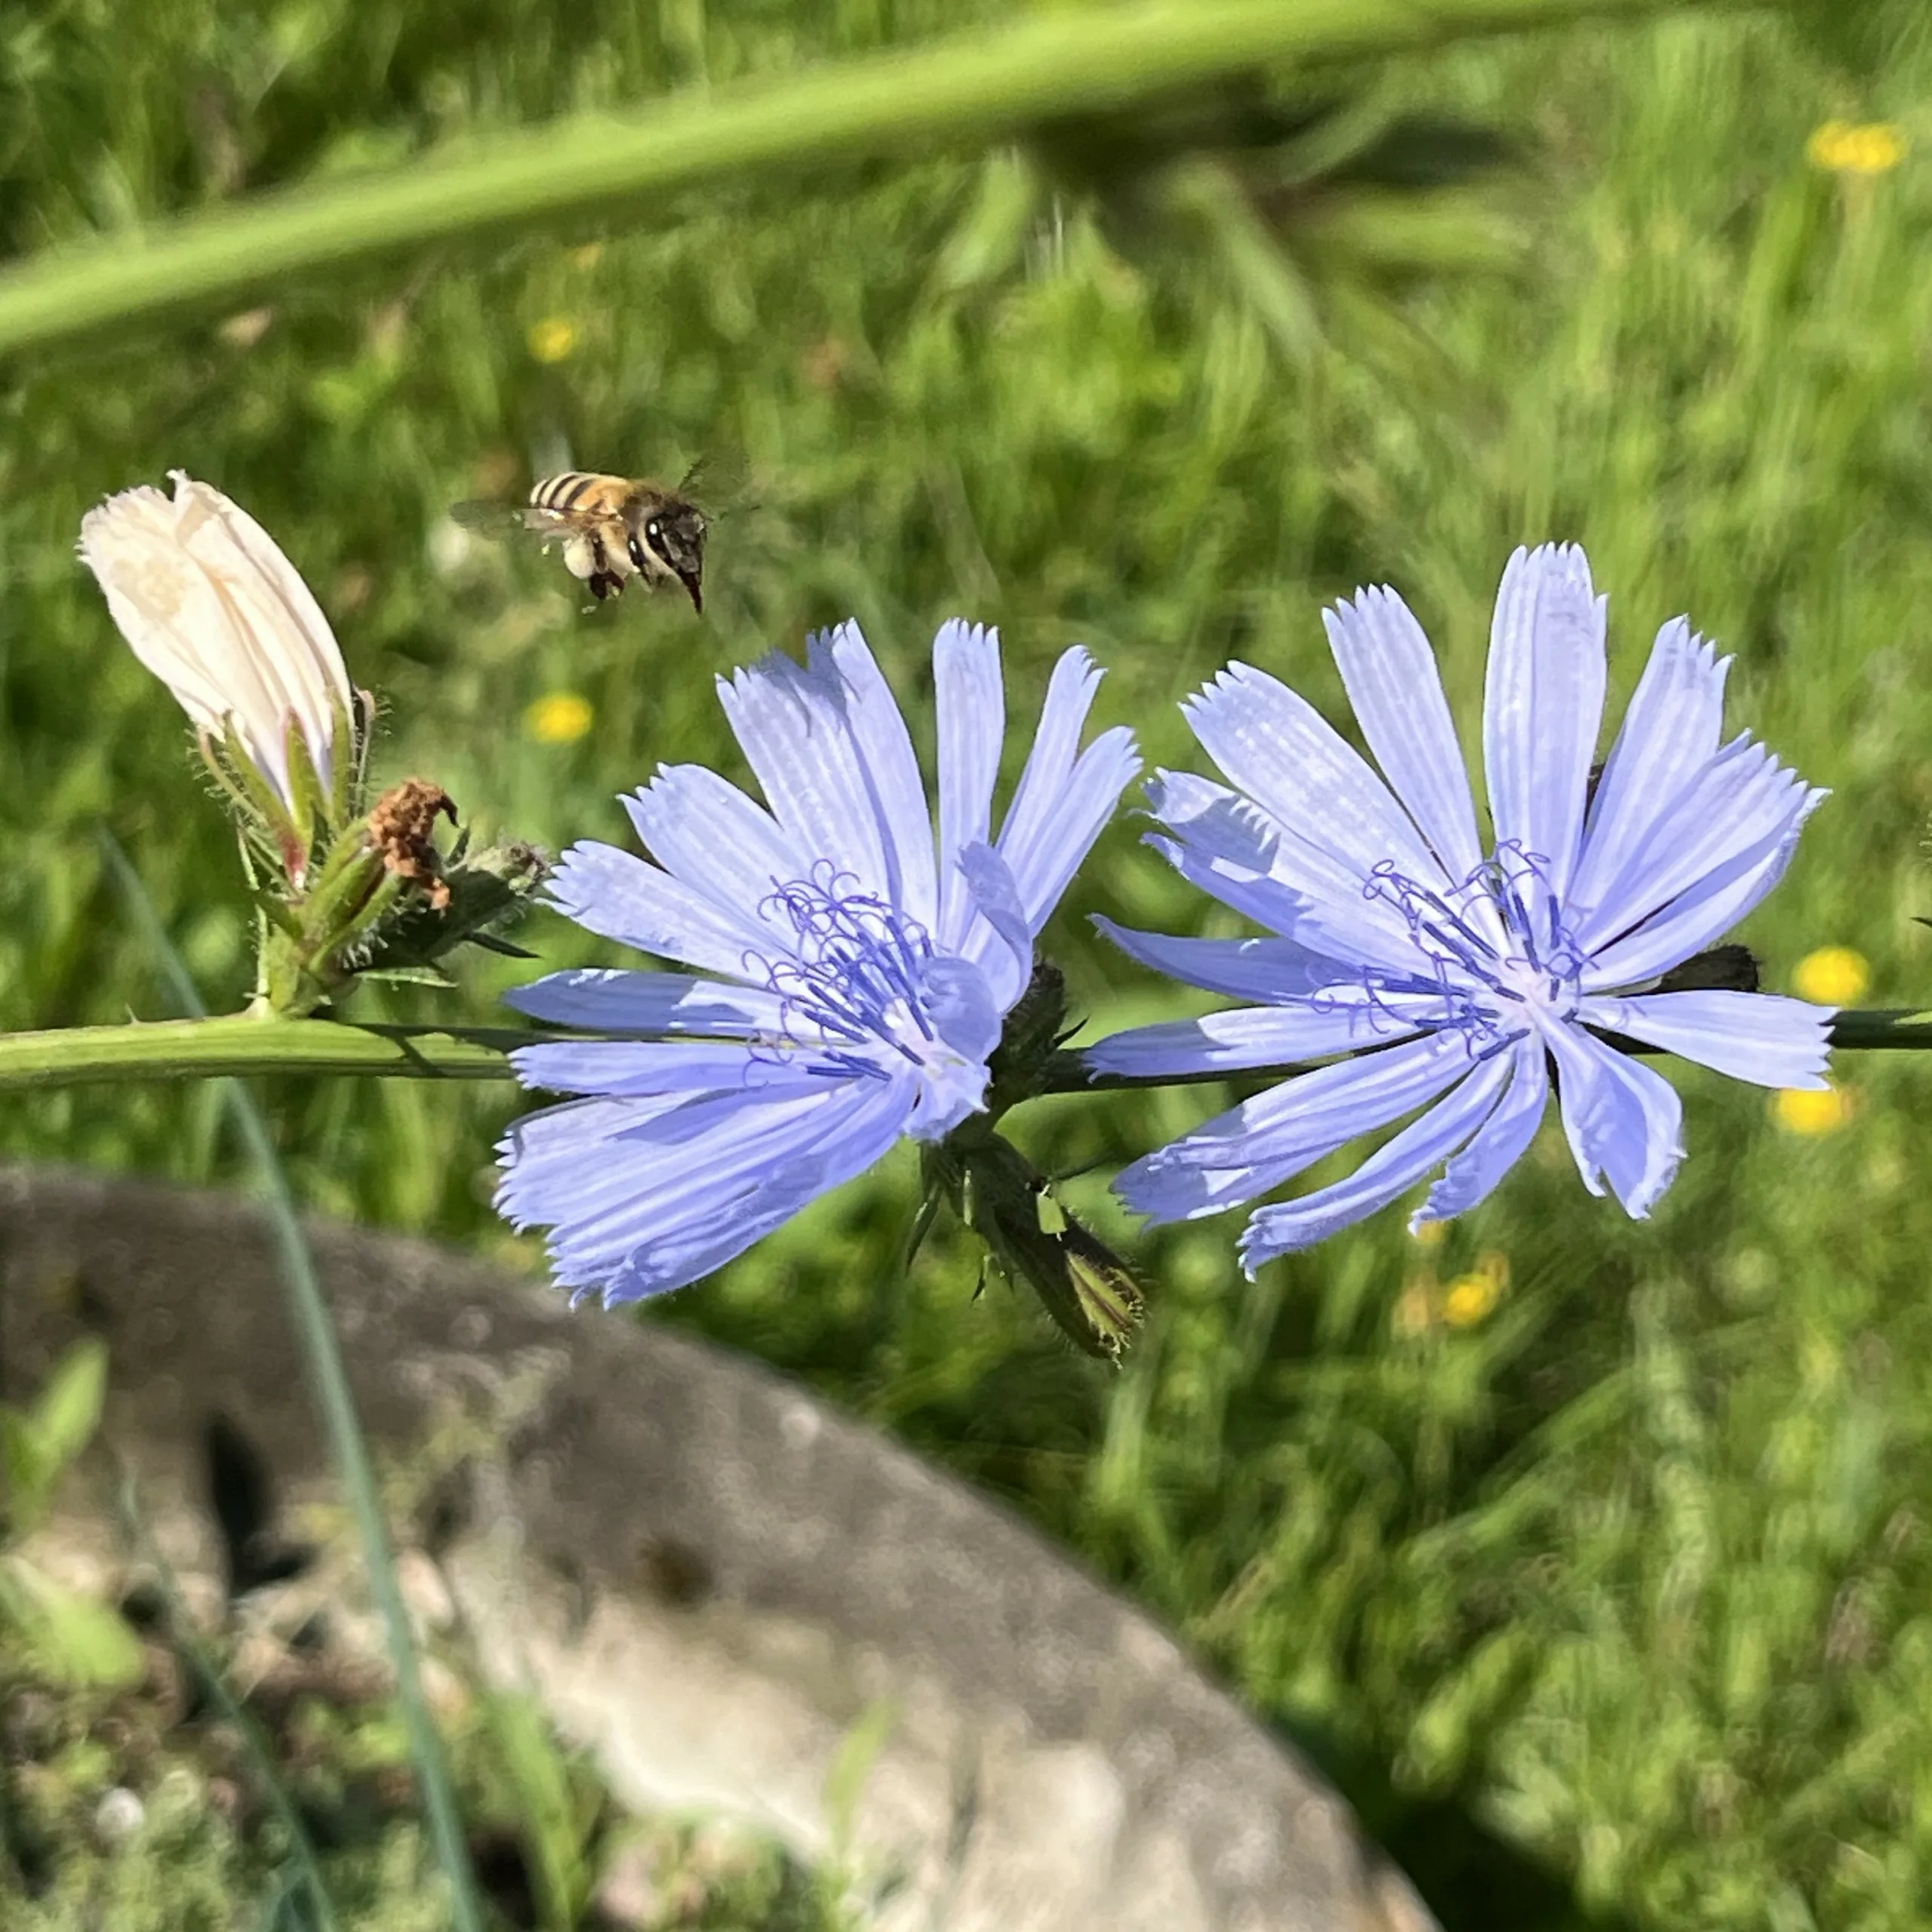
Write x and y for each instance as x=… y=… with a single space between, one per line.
x=855 y=980
x=1498 y=955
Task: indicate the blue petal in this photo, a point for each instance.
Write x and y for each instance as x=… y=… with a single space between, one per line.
x=621 y=897
x=1692 y=922
x=841 y=1148
x=961 y=1006
x=1063 y=803
x=1232 y=848
x=1275 y=747
x=641 y=1198
x=1391 y=1170
x=794 y=724
x=643 y=1067
x=1763 y=1037
x=1623 y=1121
x=1542 y=701
x=1244 y=1037
x=587 y=1167
x=1269 y=1139
x=1262 y=969
x=1389 y=673
x=607 y=1000
x=971 y=705
x=725 y=848
x=1743 y=797
x=998 y=942
x=967 y=1018
x=1472 y=1175
x=890 y=771
x=1669 y=733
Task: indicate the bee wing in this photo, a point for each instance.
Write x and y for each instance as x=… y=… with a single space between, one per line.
x=717 y=480
x=505 y=521
x=489 y=519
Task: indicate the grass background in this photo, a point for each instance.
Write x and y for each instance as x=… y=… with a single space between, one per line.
x=1613 y=1602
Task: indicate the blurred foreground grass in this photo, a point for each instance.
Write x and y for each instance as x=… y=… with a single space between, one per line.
x=1625 y=1551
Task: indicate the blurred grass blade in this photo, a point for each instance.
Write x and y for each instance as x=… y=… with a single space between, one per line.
x=323 y=1355
x=967 y=90
x=548 y=1824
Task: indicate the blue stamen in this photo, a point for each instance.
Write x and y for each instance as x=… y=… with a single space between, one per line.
x=1485 y=987
x=855 y=975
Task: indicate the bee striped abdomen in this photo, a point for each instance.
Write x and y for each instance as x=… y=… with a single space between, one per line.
x=567 y=491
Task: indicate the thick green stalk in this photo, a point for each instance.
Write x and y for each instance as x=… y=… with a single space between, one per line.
x=351 y=1452
x=964 y=91
x=241 y=1043
x=1882 y=1026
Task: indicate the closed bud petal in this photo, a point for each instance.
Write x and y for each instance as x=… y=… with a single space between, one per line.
x=211 y=605
x=1090 y=1292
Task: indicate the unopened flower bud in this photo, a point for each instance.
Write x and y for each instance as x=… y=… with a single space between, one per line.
x=210 y=604
x=1090 y=1292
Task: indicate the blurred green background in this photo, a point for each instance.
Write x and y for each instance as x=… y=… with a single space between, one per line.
x=1592 y=1558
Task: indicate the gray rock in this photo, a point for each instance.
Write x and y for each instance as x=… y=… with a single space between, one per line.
x=711 y=1578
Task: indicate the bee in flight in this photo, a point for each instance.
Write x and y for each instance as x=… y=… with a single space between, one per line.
x=610 y=529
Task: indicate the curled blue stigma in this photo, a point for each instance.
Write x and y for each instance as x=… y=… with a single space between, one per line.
x=1496 y=949
x=857 y=973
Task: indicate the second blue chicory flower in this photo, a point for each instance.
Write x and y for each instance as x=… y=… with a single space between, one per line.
x=1455 y=978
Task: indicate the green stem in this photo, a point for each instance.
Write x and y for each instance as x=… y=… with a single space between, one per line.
x=1881 y=1026
x=205 y=1049
x=240 y=1043
x=323 y=1355
x=967 y=90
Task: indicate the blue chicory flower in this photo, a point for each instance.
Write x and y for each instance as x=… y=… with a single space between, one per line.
x=1471 y=977
x=860 y=979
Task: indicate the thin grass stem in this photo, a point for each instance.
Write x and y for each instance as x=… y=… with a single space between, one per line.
x=254 y=1745
x=323 y=1353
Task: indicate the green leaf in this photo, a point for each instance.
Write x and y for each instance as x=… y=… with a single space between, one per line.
x=29 y=1473
x=553 y=1839
x=63 y=1635
x=409 y=976
x=507 y=948
x=852 y=1764
x=68 y=1410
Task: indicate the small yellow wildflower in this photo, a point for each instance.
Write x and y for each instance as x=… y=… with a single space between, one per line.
x=560 y=717
x=552 y=339
x=1803 y=1110
x=1860 y=147
x=1833 y=976
x=1470 y=1297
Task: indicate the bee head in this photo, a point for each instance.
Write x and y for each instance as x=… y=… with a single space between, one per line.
x=669 y=541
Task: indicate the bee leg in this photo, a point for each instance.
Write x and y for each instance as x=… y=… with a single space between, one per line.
x=602 y=586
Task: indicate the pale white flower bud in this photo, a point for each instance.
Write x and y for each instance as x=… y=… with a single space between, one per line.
x=212 y=606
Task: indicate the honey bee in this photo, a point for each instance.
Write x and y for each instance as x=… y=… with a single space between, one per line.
x=611 y=528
